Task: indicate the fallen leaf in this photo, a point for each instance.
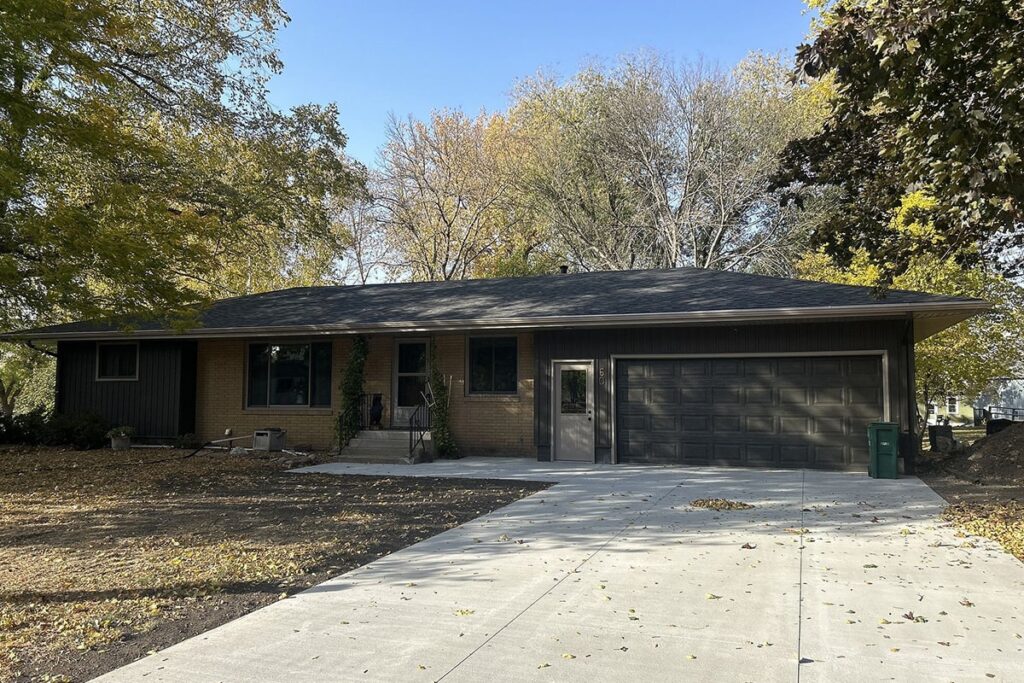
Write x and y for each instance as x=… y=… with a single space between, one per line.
x=748 y=546
x=712 y=596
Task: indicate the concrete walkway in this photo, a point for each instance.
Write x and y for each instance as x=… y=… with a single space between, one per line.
x=611 y=576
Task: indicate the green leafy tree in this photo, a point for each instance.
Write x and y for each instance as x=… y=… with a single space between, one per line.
x=964 y=359
x=26 y=379
x=927 y=98
x=142 y=167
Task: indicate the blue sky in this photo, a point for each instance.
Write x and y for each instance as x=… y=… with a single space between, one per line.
x=379 y=56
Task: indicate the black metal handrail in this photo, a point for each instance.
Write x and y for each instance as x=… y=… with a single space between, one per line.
x=1005 y=413
x=419 y=424
x=362 y=407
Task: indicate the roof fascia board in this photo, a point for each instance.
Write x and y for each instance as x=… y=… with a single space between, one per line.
x=620 y=320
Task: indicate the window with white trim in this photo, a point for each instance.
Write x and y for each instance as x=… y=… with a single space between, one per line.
x=953 y=405
x=117 y=361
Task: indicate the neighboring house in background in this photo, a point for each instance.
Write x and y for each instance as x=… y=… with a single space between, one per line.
x=957 y=410
x=1004 y=400
x=683 y=366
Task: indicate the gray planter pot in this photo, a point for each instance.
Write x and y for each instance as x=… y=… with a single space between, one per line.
x=120 y=443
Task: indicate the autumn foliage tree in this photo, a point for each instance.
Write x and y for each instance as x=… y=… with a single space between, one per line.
x=964 y=359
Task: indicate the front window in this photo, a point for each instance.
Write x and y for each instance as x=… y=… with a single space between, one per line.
x=289 y=375
x=117 y=361
x=952 y=405
x=493 y=365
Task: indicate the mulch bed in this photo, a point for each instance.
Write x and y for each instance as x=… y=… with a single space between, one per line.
x=106 y=556
x=984 y=485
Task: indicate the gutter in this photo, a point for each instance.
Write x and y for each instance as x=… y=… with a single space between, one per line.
x=928 y=309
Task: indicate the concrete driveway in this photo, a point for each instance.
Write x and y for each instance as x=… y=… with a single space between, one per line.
x=610 y=575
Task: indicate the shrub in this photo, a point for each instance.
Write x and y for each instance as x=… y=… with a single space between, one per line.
x=83 y=431
x=352 y=392
x=27 y=428
x=440 y=421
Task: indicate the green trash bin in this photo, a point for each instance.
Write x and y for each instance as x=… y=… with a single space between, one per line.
x=883 y=450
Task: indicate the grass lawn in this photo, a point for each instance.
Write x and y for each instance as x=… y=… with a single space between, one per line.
x=105 y=556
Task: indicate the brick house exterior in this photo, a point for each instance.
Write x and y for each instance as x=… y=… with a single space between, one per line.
x=483 y=425
x=664 y=366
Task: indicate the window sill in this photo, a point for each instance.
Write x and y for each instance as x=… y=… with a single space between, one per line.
x=289 y=410
x=513 y=398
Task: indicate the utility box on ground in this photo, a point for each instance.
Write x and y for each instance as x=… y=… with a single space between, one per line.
x=270 y=439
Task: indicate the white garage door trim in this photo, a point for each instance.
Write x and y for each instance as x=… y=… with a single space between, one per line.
x=615 y=358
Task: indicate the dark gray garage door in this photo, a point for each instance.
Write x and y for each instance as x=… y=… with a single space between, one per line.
x=807 y=411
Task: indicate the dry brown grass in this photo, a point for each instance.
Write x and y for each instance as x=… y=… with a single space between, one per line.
x=104 y=555
x=1002 y=522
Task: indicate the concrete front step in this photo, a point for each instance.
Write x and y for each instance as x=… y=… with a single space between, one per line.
x=386 y=435
x=363 y=457
x=384 y=446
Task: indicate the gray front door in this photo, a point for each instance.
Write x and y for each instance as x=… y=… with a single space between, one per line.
x=810 y=411
x=574 y=411
x=410 y=379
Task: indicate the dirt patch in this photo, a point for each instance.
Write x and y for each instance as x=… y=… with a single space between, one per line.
x=998 y=459
x=985 y=487
x=720 y=504
x=105 y=556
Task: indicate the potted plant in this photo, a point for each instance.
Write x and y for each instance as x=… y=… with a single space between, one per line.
x=121 y=438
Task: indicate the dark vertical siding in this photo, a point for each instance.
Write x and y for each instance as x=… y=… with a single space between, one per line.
x=159 y=404
x=599 y=345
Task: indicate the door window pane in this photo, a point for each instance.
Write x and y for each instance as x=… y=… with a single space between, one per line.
x=574 y=392
x=410 y=388
x=412 y=358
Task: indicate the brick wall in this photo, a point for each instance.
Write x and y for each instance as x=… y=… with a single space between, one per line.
x=220 y=399
x=483 y=425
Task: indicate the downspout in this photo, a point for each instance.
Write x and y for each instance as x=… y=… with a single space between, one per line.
x=913 y=441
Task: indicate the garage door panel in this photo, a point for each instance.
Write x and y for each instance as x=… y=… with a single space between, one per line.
x=809 y=411
x=758 y=395
x=828 y=456
x=727 y=424
x=794 y=396
x=761 y=454
x=730 y=394
x=828 y=396
x=692 y=424
x=827 y=367
x=794 y=454
x=727 y=453
x=834 y=426
x=760 y=424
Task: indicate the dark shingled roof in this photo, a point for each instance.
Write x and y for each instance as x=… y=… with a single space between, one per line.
x=611 y=297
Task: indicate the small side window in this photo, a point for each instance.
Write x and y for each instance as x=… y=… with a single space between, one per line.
x=117 y=361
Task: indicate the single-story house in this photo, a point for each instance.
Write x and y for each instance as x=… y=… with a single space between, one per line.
x=683 y=365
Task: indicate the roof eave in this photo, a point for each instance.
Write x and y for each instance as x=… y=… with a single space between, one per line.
x=954 y=312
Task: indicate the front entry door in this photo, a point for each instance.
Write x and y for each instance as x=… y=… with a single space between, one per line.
x=574 y=411
x=410 y=380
